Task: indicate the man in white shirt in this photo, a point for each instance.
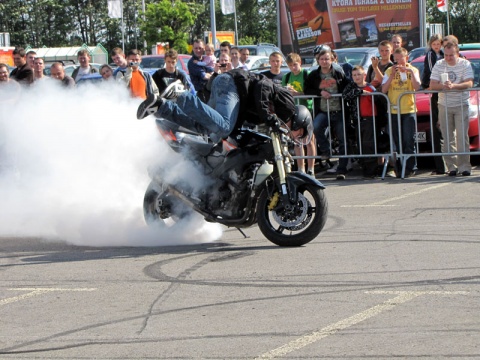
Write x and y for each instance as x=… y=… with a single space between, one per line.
x=453 y=73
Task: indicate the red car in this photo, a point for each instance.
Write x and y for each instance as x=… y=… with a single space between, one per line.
x=153 y=62
x=424 y=133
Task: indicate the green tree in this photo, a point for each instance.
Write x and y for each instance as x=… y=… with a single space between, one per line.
x=168 y=21
x=463 y=18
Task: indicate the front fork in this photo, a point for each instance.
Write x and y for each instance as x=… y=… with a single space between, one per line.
x=283 y=167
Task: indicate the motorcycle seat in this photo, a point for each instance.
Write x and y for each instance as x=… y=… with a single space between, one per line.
x=200 y=147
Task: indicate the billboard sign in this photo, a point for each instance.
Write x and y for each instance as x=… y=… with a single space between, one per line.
x=347 y=23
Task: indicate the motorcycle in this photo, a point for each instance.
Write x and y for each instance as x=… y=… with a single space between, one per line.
x=250 y=181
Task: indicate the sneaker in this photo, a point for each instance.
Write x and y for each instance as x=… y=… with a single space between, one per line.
x=465 y=173
x=340 y=176
x=452 y=173
x=149 y=106
x=333 y=169
x=310 y=172
x=409 y=174
x=173 y=90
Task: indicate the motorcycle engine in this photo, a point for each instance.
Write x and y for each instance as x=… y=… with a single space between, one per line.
x=229 y=198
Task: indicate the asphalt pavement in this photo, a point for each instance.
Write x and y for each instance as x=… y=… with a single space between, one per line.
x=394 y=274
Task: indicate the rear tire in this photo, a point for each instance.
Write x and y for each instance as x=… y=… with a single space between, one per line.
x=298 y=227
x=161 y=208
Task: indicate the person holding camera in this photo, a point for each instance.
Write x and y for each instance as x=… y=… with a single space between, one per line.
x=139 y=83
x=398 y=79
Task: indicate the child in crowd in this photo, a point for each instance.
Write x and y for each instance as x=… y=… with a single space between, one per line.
x=208 y=59
x=294 y=81
x=367 y=110
x=107 y=72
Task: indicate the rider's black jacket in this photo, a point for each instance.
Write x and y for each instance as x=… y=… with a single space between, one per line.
x=261 y=99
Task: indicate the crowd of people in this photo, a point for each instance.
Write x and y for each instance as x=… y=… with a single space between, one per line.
x=221 y=94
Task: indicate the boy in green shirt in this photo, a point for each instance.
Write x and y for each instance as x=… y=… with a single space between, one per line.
x=294 y=81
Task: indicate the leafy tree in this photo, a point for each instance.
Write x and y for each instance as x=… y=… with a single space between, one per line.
x=463 y=18
x=169 y=22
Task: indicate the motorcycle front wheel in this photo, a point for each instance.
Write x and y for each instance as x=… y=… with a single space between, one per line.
x=160 y=208
x=297 y=226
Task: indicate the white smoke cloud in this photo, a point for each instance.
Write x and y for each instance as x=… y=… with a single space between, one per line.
x=73 y=166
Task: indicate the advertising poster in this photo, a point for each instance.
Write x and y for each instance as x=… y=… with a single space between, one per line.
x=6 y=56
x=347 y=23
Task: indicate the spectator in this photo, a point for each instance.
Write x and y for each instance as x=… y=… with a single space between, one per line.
x=209 y=57
x=107 y=72
x=434 y=54
x=365 y=123
x=9 y=89
x=346 y=67
x=38 y=69
x=237 y=94
x=222 y=66
x=453 y=73
x=170 y=73
x=85 y=68
x=235 y=59
x=275 y=73
x=294 y=81
x=324 y=82
x=22 y=73
x=225 y=47
x=374 y=77
x=31 y=55
x=139 y=83
x=244 y=54
x=379 y=65
x=57 y=71
x=199 y=74
x=396 y=43
x=449 y=38
x=400 y=78
x=118 y=57
x=4 y=76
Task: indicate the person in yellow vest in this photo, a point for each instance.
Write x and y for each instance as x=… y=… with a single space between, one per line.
x=139 y=83
x=398 y=79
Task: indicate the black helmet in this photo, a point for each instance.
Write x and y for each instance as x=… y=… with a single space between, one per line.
x=302 y=119
x=319 y=48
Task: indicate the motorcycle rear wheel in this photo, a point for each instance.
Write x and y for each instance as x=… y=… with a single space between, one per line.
x=298 y=227
x=161 y=208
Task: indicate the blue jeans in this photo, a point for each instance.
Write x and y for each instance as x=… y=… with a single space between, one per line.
x=320 y=126
x=217 y=119
x=407 y=122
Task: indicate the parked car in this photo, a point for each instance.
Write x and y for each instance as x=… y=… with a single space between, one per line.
x=158 y=62
x=257 y=62
x=416 y=53
x=424 y=133
x=354 y=56
x=421 y=51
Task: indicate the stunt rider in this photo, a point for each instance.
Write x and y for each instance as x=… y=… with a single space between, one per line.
x=234 y=94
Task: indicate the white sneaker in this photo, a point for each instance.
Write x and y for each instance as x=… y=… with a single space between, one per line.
x=333 y=169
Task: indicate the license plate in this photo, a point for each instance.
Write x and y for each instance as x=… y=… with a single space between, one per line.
x=421 y=136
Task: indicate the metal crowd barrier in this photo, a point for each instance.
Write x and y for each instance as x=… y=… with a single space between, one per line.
x=348 y=151
x=423 y=141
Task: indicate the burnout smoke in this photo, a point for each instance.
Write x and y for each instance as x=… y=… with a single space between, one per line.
x=73 y=166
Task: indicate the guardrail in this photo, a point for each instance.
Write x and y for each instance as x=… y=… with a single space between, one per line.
x=423 y=132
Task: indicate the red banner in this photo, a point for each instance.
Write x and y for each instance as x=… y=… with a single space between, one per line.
x=347 y=23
